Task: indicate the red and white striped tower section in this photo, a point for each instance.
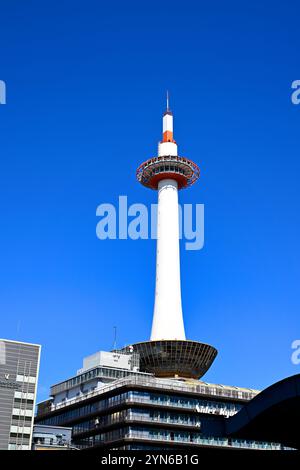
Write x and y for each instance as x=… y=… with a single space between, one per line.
x=168 y=353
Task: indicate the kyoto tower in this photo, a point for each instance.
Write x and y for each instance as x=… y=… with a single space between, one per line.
x=168 y=353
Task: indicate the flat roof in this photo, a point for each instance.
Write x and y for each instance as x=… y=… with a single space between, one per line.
x=20 y=342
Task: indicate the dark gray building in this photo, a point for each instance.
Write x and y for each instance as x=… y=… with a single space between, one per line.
x=19 y=368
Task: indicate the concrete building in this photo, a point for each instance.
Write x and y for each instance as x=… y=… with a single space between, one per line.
x=19 y=369
x=51 y=438
x=121 y=408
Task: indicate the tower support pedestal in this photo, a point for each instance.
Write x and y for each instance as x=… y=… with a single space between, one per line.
x=172 y=358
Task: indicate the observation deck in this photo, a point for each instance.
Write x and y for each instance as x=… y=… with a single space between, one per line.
x=180 y=169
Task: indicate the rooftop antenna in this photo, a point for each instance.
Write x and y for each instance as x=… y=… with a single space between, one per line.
x=18 y=329
x=115 y=338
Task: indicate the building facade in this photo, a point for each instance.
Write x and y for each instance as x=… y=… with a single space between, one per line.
x=115 y=408
x=19 y=368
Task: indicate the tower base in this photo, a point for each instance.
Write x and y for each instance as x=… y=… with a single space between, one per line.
x=171 y=358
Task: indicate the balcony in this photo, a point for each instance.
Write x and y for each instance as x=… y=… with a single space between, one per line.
x=161 y=385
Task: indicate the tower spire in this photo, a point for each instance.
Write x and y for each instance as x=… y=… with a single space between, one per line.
x=168 y=125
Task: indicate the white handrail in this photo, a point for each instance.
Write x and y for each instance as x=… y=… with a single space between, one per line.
x=159 y=384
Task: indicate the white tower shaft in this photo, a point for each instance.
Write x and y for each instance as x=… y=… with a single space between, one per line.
x=167 y=320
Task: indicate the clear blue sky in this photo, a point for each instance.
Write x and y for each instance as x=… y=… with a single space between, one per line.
x=86 y=84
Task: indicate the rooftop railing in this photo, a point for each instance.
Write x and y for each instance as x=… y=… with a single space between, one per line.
x=196 y=440
x=162 y=384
